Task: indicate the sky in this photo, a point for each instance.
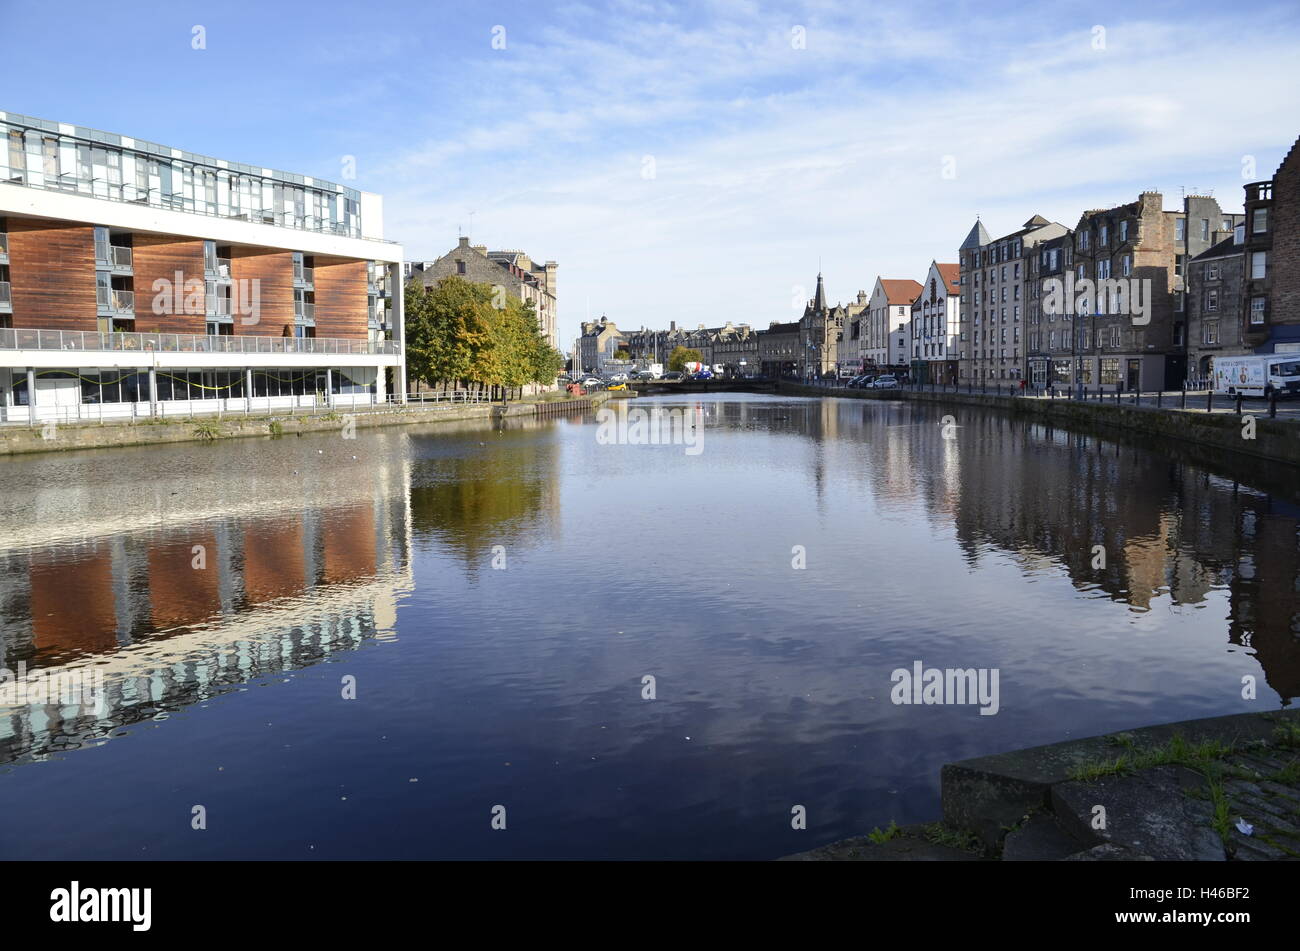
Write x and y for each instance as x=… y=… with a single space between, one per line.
x=692 y=162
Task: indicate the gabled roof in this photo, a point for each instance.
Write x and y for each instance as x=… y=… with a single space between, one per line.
x=899 y=292
x=951 y=273
x=977 y=238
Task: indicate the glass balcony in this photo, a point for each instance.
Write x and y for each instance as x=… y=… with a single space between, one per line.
x=304 y=275
x=4 y=248
x=6 y=301
x=112 y=256
x=78 y=340
x=218 y=306
x=115 y=301
x=305 y=312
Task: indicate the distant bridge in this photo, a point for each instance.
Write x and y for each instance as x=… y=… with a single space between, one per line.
x=659 y=387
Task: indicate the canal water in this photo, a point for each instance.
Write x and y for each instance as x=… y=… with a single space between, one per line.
x=391 y=645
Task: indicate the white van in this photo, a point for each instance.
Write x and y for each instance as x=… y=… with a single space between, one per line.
x=1250 y=375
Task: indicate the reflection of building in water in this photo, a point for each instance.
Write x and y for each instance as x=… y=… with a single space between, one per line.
x=1166 y=528
x=172 y=616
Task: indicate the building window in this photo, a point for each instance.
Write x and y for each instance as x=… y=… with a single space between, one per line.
x=1259 y=221
x=1126 y=264
x=1211 y=272
x=1083 y=240
x=1258 y=265
x=460 y=267
x=1114 y=337
x=1180 y=229
x=1110 y=370
x=1212 y=298
x=1257 y=310
x=1210 y=333
x=1205 y=229
x=1123 y=231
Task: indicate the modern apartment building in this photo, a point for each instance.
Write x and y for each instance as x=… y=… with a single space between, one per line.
x=936 y=325
x=886 y=342
x=142 y=280
x=994 y=279
x=514 y=271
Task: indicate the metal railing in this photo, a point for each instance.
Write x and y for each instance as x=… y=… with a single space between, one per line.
x=129 y=194
x=76 y=340
x=218 y=306
x=304 y=311
x=5 y=298
x=304 y=275
x=119 y=302
x=113 y=255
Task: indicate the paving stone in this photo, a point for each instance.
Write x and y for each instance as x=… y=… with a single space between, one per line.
x=1249 y=849
x=1149 y=812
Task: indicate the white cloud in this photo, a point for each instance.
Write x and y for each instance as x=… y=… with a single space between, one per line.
x=769 y=158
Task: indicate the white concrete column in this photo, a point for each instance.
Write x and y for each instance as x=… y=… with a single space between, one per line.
x=153 y=391
x=248 y=388
x=31 y=394
x=380 y=387
x=329 y=387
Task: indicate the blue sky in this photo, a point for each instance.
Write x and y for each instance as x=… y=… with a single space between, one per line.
x=692 y=162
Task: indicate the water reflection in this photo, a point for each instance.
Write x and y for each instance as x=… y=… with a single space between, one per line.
x=166 y=616
x=975 y=548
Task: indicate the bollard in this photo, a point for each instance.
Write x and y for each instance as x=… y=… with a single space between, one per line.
x=1272 y=405
x=1209 y=401
x=1160 y=398
x=1183 y=404
x=1238 y=402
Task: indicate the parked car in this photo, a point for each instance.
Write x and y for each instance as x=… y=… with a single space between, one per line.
x=703 y=375
x=863 y=381
x=646 y=375
x=618 y=378
x=883 y=383
x=672 y=376
x=617 y=386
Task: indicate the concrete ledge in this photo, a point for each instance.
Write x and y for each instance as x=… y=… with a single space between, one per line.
x=991 y=794
x=20 y=440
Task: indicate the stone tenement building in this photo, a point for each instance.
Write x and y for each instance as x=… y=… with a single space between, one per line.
x=936 y=325
x=778 y=349
x=1140 y=242
x=513 y=270
x=600 y=342
x=1215 y=305
x=993 y=281
x=1271 y=244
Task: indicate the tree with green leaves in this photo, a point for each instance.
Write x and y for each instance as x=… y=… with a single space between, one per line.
x=463 y=332
x=681 y=356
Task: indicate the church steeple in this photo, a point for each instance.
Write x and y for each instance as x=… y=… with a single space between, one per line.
x=819 y=301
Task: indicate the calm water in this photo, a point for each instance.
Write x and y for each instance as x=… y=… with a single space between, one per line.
x=224 y=593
